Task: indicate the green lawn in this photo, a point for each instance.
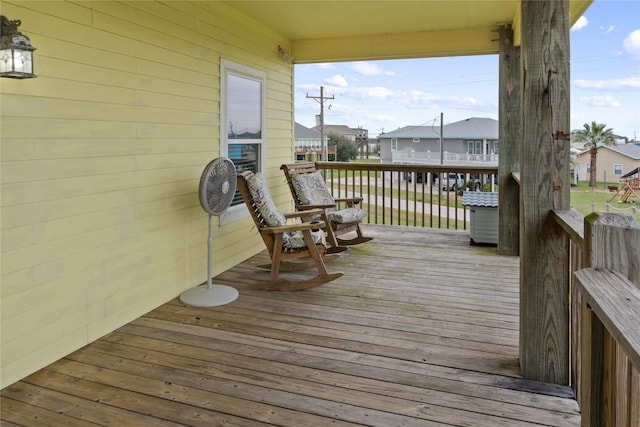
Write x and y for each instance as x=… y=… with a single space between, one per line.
x=586 y=200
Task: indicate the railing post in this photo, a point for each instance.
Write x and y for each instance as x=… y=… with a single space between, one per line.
x=610 y=244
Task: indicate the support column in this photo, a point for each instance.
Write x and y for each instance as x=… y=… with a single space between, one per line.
x=509 y=157
x=544 y=185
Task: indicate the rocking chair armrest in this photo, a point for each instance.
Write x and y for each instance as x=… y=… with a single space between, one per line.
x=320 y=208
x=304 y=213
x=294 y=227
x=349 y=200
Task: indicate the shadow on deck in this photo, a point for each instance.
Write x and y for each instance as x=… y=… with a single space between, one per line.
x=422 y=330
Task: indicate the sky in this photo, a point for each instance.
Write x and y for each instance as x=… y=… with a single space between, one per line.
x=382 y=96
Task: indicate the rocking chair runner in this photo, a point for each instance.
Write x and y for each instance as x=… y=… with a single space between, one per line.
x=285 y=242
x=310 y=191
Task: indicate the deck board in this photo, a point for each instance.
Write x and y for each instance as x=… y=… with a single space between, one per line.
x=422 y=330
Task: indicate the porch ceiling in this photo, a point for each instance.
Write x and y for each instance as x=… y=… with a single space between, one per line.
x=330 y=31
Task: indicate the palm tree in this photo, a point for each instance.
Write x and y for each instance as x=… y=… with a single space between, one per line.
x=595 y=136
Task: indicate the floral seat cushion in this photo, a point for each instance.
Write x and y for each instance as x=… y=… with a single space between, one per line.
x=273 y=217
x=346 y=216
x=295 y=239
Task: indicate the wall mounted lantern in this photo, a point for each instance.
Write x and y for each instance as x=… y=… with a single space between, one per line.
x=16 y=52
x=284 y=53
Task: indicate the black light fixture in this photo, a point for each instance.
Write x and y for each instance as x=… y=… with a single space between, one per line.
x=16 y=52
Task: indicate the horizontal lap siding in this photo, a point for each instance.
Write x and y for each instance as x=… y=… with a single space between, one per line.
x=101 y=157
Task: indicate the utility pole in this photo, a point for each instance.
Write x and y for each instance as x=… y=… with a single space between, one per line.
x=441 y=141
x=320 y=99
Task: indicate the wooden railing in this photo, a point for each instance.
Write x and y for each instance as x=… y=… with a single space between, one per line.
x=605 y=316
x=396 y=194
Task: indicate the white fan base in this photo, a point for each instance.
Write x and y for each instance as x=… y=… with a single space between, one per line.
x=209 y=296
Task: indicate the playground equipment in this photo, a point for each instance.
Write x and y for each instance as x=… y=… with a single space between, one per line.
x=628 y=191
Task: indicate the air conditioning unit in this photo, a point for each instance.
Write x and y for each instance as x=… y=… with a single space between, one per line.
x=483 y=208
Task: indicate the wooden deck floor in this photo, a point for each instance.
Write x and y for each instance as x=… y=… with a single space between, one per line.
x=422 y=330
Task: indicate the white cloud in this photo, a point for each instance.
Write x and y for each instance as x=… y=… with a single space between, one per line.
x=383 y=117
x=416 y=99
x=308 y=86
x=369 y=69
x=337 y=80
x=377 y=92
x=629 y=82
x=325 y=66
x=632 y=42
x=366 y=68
x=600 y=101
x=580 y=24
x=608 y=29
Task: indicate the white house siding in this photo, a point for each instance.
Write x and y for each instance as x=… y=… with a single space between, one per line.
x=420 y=144
x=100 y=160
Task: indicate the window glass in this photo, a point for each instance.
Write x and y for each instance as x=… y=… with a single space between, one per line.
x=244 y=107
x=478 y=147
x=474 y=147
x=242 y=116
x=394 y=145
x=617 y=169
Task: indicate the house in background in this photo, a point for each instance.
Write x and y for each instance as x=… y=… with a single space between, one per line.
x=359 y=136
x=307 y=144
x=614 y=161
x=466 y=142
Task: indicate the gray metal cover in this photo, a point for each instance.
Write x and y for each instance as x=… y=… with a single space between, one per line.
x=479 y=198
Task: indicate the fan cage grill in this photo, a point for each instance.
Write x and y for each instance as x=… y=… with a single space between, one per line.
x=218 y=186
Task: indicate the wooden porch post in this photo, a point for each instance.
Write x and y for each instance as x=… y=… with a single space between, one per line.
x=509 y=122
x=544 y=185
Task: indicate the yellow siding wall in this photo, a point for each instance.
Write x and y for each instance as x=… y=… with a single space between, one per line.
x=100 y=161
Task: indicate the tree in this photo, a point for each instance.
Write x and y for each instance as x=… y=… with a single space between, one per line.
x=345 y=149
x=595 y=136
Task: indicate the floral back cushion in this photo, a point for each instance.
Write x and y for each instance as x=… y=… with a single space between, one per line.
x=311 y=189
x=260 y=193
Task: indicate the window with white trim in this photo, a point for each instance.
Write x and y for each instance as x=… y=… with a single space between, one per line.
x=617 y=170
x=394 y=145
x=242 y=123
x=474 y=147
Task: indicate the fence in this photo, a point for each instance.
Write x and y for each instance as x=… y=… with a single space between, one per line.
x=605 y=314
x=608 y=207
x=410 y=195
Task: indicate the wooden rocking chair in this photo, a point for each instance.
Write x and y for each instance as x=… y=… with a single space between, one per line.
x=286 y=242
x=310 y=191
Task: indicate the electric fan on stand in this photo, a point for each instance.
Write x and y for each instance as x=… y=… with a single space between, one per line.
x=216 y=191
